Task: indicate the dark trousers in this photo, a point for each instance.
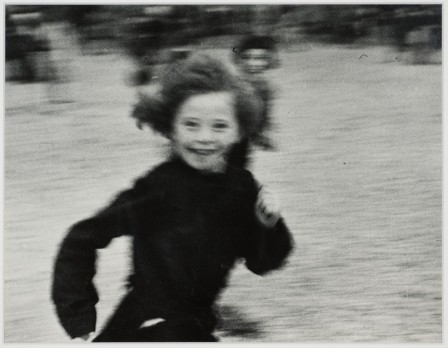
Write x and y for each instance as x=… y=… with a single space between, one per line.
x=167 y=331
x=175 y=331
x=125 y=326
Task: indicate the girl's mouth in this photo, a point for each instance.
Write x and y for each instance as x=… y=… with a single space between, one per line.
x=203 y=152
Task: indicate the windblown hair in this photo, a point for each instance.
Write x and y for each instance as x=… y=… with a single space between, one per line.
x=198 y=74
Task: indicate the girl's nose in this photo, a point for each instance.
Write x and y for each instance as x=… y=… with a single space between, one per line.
x=205 y=135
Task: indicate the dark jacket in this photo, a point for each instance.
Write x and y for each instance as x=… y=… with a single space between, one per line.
x=188 y=230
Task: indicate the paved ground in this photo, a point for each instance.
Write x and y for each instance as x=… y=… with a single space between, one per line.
x=358 y=171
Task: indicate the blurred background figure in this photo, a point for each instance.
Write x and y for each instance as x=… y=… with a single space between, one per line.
x=143 y=38
x=23 y=40
x=83 y=19
x=253 y=56
x=36 y=52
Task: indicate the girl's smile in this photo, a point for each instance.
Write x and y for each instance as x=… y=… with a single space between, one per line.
x=205 y=129
x=202 y=152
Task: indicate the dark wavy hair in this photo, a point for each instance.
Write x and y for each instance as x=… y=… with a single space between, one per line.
x=198 y=74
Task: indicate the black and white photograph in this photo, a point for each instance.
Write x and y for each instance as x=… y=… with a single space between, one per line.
x=223 y=172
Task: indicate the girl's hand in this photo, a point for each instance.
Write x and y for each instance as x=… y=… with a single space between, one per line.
x=84 y=338
x=267 y=208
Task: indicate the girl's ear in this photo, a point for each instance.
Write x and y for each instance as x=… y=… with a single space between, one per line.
x=240 y=134
x=169 y=135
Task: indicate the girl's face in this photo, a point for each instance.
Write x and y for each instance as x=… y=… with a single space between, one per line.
x=205 y=128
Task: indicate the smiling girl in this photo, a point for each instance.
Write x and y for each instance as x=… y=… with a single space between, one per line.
x=191 y=218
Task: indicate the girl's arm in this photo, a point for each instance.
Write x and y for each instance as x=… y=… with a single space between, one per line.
x=269 y=248
x=270 y=240
x=73 y=292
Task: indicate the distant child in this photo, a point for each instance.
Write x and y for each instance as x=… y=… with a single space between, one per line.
x=254 y=55
x=191 y=218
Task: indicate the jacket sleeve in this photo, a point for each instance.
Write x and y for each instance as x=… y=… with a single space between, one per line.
x=73 y=291
x=266 y=248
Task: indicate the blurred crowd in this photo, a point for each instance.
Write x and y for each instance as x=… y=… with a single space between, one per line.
x=145 y=33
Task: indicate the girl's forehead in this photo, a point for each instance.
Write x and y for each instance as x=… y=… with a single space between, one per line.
x=212 y=100
x=209 y=106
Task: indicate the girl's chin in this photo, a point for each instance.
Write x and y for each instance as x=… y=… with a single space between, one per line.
x=211 y=169
x=214 y=167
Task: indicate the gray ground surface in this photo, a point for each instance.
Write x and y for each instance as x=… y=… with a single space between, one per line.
x=358 y=172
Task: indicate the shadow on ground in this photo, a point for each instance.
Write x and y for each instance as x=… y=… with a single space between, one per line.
x=234 y=323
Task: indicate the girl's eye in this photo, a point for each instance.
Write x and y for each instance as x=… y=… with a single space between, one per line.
x=220 y=126
x=191 y=124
